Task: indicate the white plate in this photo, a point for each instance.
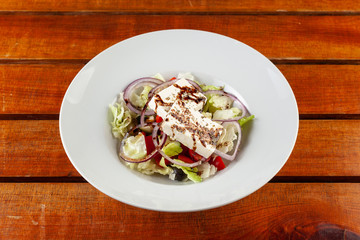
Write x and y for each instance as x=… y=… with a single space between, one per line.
x=214 y=59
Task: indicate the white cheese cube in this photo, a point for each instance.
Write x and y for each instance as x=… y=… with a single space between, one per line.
x=192 y=128
x=180 y=90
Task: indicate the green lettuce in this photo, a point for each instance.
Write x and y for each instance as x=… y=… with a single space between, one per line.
x=210 y=87
x=121 y=120
x=172 y=149
x=192 y=176
x=162 y=163
x=226 y=114
x=191 y=173
x=139 y=100
x=216 y=102
x=150 y=167
x=135 y=147
x=245 y=120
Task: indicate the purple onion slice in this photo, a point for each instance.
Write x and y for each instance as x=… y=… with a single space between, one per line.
x=146 y=81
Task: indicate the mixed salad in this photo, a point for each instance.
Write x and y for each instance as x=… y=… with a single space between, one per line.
x=177 y=127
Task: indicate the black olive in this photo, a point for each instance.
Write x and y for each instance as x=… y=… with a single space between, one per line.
x=178 y=174
x=137 y=119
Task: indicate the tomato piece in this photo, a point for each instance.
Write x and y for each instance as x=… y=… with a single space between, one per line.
x=185 y=150
x=173 y=78
x=185 y=159
x=218 y=163
x=150 y=147
x=158 y=119
x=196 y=157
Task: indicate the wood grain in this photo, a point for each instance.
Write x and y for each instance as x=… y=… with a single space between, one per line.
x=35 y=89
x=276 y=211
x=148 y=6
x=83 y=37
x=325 y=89
x=319 y=89
x=33 y=149
x=324 y=148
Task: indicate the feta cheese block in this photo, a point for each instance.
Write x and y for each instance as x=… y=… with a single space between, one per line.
x=191 y=128
x=180 y=90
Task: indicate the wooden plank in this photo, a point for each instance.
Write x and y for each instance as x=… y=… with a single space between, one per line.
x=147 y=6
x=325 y=89
x=319 y=89
x=276 y=211
x=35 y=89
x=324 y=148
x=84 y=36
x=33 y=149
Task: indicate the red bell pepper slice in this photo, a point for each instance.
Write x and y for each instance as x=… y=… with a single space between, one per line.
x=185 y=159
x=150 y=147
x=194 y=156
x=218 y=163
x=158 y=119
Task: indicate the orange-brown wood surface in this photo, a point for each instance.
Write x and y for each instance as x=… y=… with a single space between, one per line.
x=315 y=44
x=324 y=148
x=277 y=211
x=34 y=89
x=207 y=6
x=33 y=148
x=84 y=36
x=39 y=88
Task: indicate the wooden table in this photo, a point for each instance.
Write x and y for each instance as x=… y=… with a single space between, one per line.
x=316 y=44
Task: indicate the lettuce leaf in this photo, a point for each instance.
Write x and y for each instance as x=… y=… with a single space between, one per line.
x=121 y=120
x=216 y=102
x=172 y=149
x=226 y=114
x=191 y=173
x=210 y=87
x=192 y=176
x=149 y=167
x=245 y=120
x=226 y=141
x=135 y=147
x=139 y=100
x=207 y=170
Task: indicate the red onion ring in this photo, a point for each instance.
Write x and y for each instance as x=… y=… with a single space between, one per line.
x=195 y=164
x=143 y=113
x=146 y=158
x=153 y=82
x=154 y=135
x=244 y=110
x=227 y=156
